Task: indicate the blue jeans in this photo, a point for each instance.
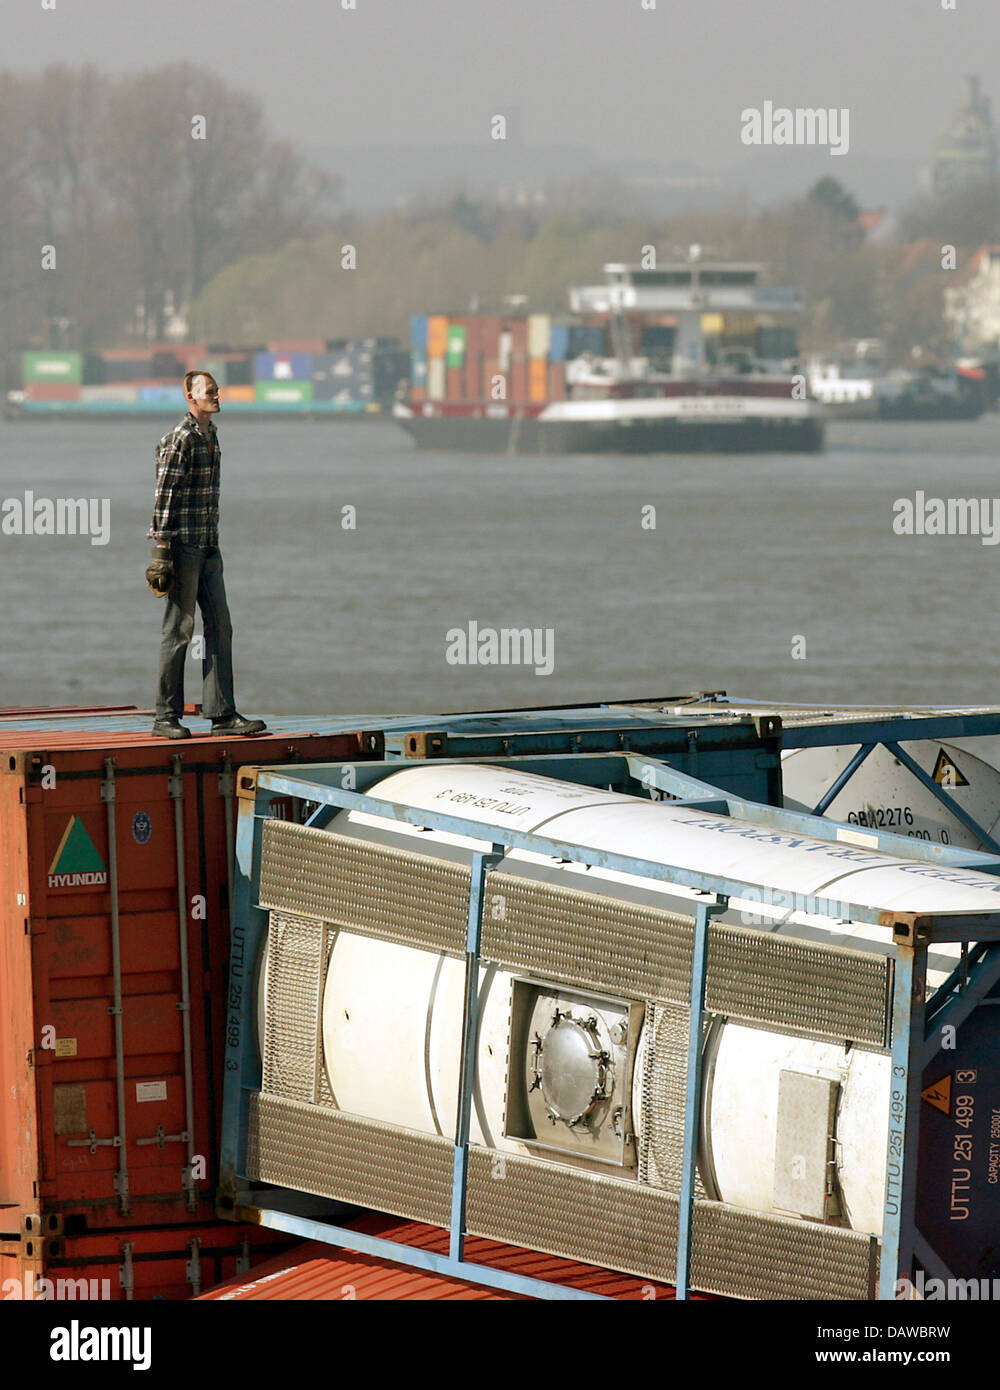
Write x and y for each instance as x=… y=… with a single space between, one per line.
x=197 y=579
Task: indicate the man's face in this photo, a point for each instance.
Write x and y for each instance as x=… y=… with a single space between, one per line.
x=205 y=394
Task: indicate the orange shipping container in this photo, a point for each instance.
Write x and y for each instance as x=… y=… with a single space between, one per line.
x=238 y=393
x=538 y=379
x=437 y=335
x=109 y=1119
x=455 y=384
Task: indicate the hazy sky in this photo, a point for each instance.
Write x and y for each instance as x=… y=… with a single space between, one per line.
x=659 y=88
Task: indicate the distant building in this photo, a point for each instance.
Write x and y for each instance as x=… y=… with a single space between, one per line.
x=966 y=153
x=972 y=305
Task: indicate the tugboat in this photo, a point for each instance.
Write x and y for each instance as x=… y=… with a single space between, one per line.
x=694 y=395
x=855 y=384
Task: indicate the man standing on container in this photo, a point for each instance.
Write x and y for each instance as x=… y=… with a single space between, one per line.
x=186 y=526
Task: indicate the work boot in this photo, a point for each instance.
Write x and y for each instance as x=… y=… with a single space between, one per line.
x=170 y=728
x=235 y=724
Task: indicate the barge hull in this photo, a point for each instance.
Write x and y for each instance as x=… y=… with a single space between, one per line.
x=526 y=435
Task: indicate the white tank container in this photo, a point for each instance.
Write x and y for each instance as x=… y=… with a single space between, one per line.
x=883 y=794
x=392 y=1015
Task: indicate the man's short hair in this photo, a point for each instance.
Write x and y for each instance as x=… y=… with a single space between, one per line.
x=189 y=378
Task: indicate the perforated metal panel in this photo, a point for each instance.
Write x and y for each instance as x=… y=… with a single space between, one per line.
x=826 y=991
x=633 y=1228
x=664 y=1086
x=755 y=1256
x=333 y=1154
x=298 y=955
x=391 y=893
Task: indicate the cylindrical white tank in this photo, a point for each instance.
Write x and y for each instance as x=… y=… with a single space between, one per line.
x=883 y=794
x=392 y=1015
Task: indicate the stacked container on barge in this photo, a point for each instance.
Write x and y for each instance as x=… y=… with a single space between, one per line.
x=116 y=858
x=350 y=378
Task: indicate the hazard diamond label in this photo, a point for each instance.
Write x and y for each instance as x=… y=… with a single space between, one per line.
x=939 y=1095
x=946 y=773
x=76 y=862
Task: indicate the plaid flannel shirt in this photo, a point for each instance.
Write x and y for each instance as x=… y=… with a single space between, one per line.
x=186 y=504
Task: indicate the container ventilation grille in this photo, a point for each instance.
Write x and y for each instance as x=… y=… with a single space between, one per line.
x=332 y=1154
x=664 y=1092
x=298 y=956
x=634 y=1228
x=397 y=895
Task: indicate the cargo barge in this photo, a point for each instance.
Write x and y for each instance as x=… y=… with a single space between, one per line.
x=675 y=359
x=231 y=1019
x=353 y=379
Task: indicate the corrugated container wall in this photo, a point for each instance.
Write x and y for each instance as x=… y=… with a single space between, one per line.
x=115 y=874
x=558 y=342
x=164 y=395
x=51 y=391
x=284 y=392
x=538 y=379
x=539 y=335
x=52 y=367
x=436 y=379
x=296 y=346
x=109 y=395
x=282 y=366
x=437 y=336
x=456 y=344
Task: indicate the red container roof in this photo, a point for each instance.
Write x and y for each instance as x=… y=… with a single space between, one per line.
x=319 y=1272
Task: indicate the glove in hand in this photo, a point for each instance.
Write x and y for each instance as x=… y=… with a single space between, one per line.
x=160 y=572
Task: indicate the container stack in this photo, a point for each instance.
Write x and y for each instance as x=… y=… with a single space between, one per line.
x=477 y=358
x=52 y=376
x=283 y=378
x=342 y=375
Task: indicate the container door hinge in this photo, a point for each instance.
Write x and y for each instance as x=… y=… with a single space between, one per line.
x=188 y=1181
x=243 y=1258
x=192 y=1269
x=227 y=783
x=121 y=1186
x=126 y=1273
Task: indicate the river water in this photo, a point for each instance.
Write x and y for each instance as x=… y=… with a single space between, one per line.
x=774 y=577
